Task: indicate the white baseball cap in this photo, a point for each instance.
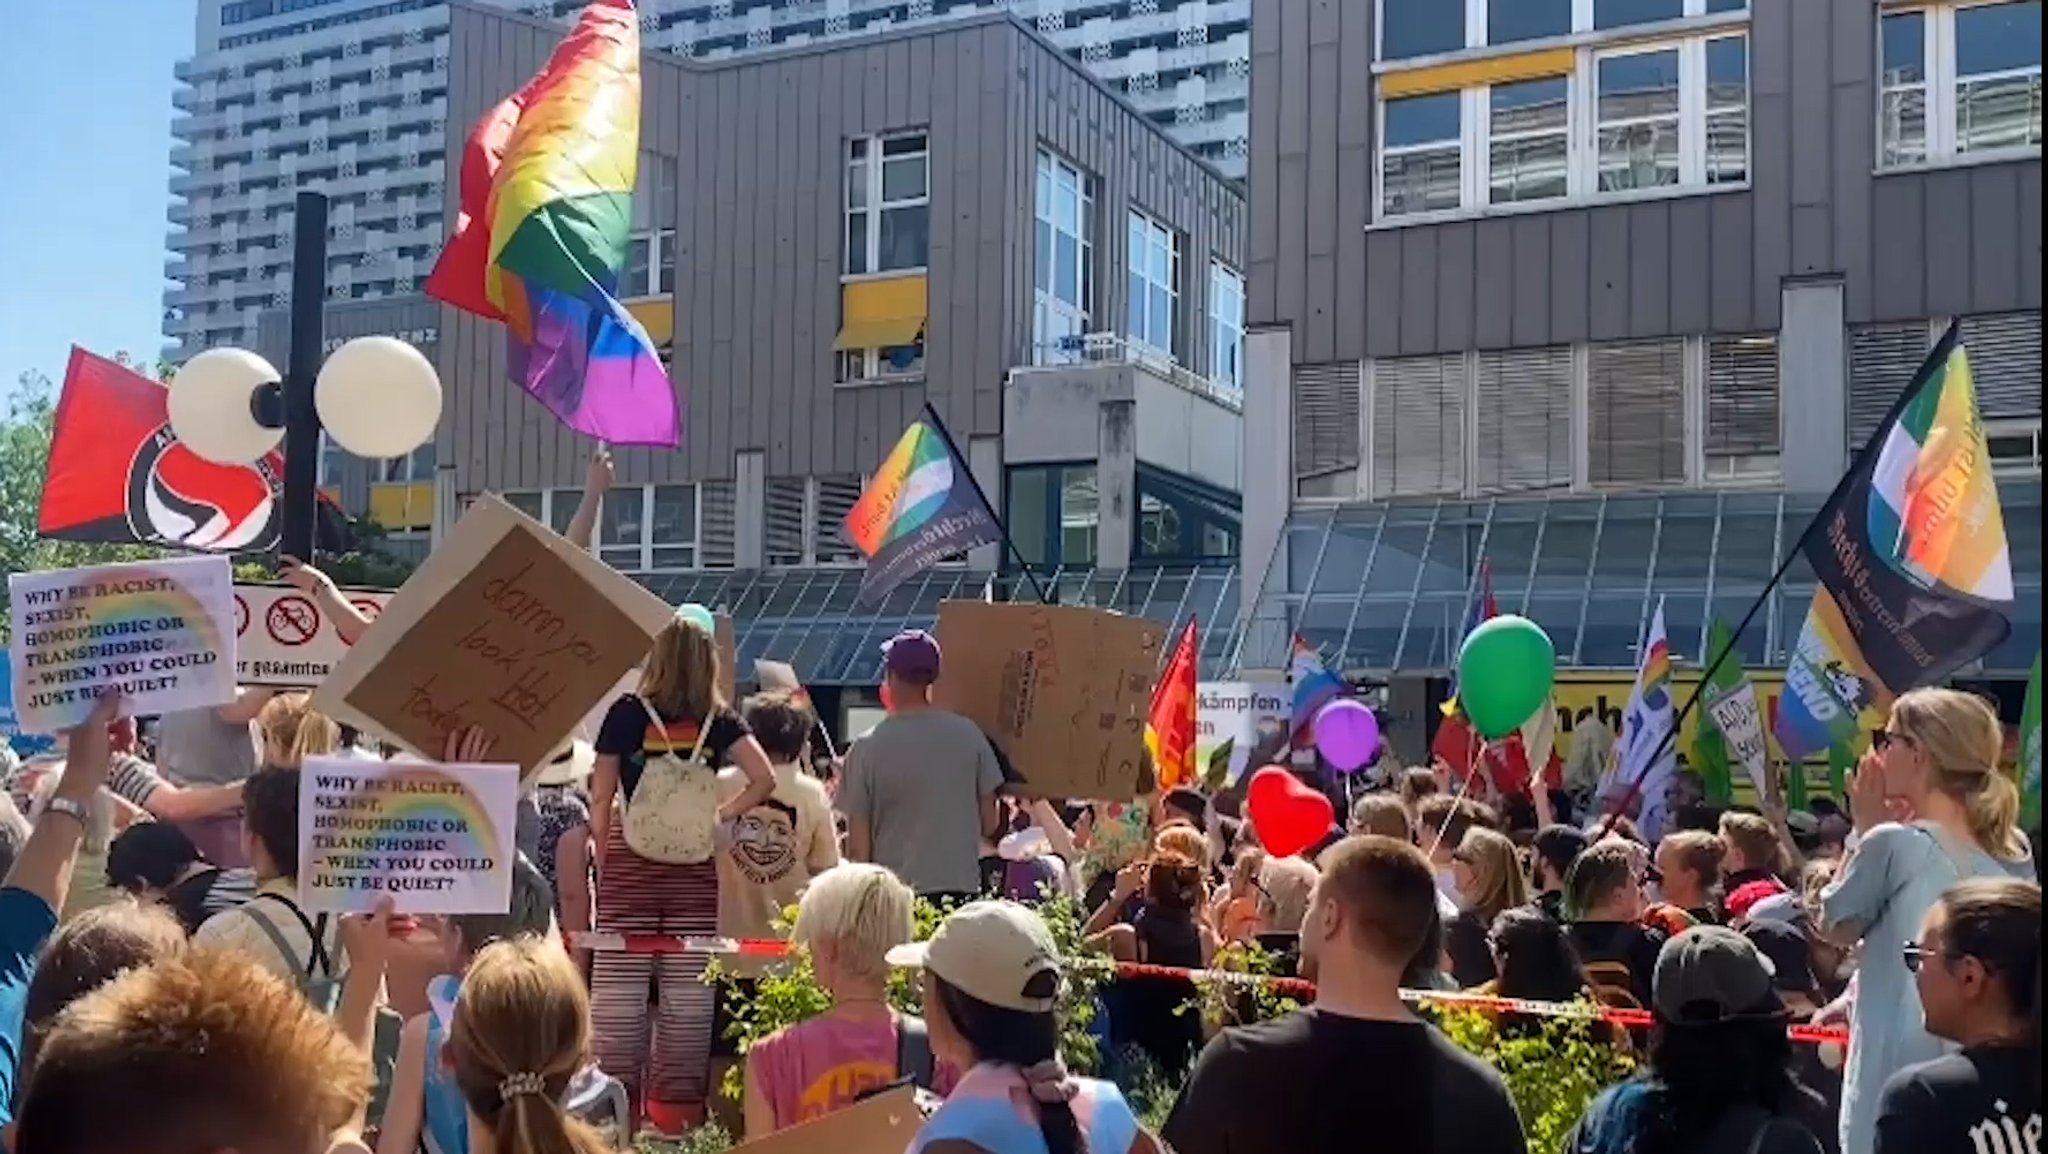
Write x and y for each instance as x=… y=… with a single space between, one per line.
x=993 y=952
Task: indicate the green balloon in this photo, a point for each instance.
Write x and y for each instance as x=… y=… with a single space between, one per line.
x=1505 y=671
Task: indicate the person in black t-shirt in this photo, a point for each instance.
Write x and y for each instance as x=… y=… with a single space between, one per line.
x=1978 y=968
x=1371 y=912
x=1605 y=902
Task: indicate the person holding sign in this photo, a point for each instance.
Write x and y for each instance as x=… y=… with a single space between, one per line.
x=656 y=822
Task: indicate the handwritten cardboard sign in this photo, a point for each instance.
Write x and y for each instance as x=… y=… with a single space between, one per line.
x=284 y=639
x=507 y=626
x=436 y=838
x=1064 y=691
x=163 y=632
x=884 y=1124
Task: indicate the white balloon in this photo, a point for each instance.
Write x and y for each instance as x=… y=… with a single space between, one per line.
x=378 y=397
x=209 y=406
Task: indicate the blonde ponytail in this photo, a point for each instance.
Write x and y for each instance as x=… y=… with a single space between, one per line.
x=1962 y=737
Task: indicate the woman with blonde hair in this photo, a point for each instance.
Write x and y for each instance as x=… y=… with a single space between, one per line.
x=519 y=1035
x=292 y=731
x=1490 y=882
x=1938 y=754
x=849 y=919
x=655 y=826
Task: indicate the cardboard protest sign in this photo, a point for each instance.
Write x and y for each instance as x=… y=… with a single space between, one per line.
x=436 y=838
x=284 y=639
x=1064 y=691
x=163 y=632
x=778 y=676
x=507 y=626
x=884 y=1124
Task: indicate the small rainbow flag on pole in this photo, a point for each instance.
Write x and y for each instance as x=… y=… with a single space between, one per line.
x=921 y=507
x=544 y=229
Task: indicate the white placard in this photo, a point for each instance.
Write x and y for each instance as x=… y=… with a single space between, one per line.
x=436 y=838
x=162 y=632
x=285 y=640
x=1742 y=732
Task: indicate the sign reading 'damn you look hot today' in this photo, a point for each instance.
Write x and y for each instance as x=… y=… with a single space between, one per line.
x=435 y=838
x=162 y=632
x=508 y=627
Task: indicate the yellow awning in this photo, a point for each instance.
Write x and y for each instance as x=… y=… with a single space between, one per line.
x=880 y=314
x=658 y=316
x=1468 y=73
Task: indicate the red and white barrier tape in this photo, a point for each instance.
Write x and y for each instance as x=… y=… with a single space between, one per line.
x=1292 y=987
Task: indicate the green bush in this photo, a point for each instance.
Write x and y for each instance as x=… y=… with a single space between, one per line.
x=1553 y=1072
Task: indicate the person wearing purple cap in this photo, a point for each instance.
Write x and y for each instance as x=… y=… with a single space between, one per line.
x=920 y=790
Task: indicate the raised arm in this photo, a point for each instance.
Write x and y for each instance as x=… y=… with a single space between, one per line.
x=349 y=621
x=597 y=480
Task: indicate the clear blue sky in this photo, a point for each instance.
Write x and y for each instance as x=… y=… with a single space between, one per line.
x=83 y=199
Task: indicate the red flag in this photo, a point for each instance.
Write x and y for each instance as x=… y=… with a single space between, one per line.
x=1170 y=731
x=1506 y=763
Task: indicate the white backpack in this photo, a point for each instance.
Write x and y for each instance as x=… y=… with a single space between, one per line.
x=672 y=817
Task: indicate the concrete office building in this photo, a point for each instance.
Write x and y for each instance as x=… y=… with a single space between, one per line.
x=840 y=232
x=351 y=97
x=1606 y=293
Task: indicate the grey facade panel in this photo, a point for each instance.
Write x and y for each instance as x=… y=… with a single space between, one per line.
x=1907 y=245
x=760 y=143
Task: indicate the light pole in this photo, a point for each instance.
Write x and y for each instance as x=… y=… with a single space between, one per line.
x=378 y=397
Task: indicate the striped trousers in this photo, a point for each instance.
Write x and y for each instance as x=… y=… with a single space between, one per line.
x=662 y=1054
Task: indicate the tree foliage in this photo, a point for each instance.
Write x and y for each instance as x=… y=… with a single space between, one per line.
x=25 y=426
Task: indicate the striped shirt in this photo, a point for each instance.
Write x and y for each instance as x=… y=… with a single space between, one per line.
x=133 y=780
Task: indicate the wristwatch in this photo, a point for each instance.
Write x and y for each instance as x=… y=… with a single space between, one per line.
x=76 y=811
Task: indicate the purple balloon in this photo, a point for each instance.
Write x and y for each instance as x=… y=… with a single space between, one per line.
x=1347 y=735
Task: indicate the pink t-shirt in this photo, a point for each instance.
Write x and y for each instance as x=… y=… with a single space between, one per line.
x=813 y=1068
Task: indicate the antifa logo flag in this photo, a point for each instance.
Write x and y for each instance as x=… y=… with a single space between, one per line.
x=117 y=474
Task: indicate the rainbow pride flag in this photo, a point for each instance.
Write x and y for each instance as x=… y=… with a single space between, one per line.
x=1913 y=576
x=544 y=229
x=919 y=508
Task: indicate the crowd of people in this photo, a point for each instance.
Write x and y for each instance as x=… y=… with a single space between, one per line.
x=218 y=1015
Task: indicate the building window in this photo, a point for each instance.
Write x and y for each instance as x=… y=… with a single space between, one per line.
x=888 y=203
x=1662 y=115
x=897 y=362
x=1064 y=260
x=648 y=528
x=1635 y=414
x=1181 y=519
x=554 y=508
x=1226 y=327
x=1421 y=142
x=1529 y=143
x=650 y=265
x=1742 y=437
x=1052 y=514
x=416 y=468
x=1154 y=258
x=1959 y=80
x=333 y=461
x=1416 y=28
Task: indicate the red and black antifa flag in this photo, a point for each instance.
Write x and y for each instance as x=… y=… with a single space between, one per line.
x=119 y=475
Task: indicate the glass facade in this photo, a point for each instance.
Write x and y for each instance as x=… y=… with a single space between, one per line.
x=809 y=618
x=1383 y=588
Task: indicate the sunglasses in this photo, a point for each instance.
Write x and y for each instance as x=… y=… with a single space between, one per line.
x=1882 y=740
x=1915 y=956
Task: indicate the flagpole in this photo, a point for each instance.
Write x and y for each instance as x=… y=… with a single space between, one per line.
x=1938 y=355
x=1002 y=526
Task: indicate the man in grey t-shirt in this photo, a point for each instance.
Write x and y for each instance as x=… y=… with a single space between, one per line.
x=920 y=790
x=213 y=747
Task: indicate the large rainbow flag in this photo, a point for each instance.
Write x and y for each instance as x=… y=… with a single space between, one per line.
x=919 y=508
x=1913 y=575
x=544 y=229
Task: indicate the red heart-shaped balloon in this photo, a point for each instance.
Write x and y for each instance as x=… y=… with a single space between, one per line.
x=1289 y=815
